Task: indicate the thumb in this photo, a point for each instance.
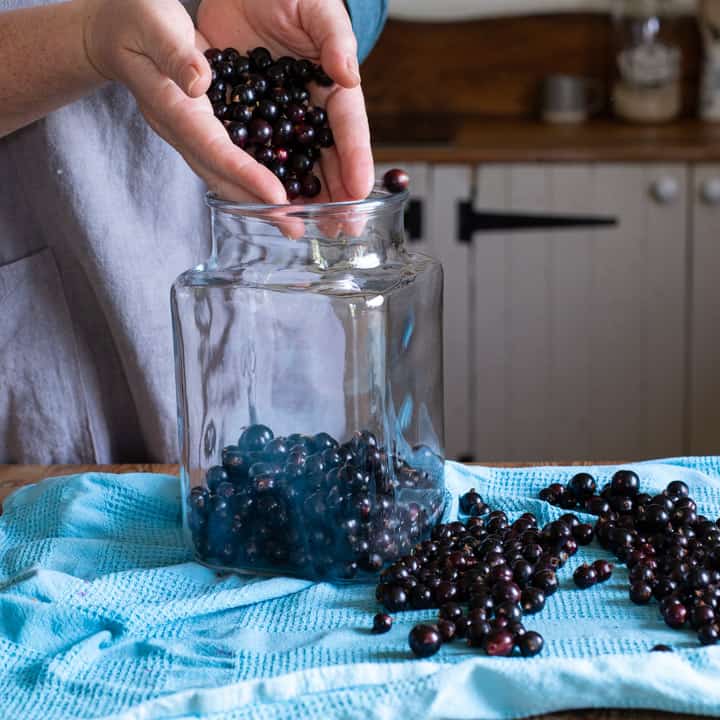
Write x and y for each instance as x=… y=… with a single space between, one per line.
x=171 y=42
x=328 y=24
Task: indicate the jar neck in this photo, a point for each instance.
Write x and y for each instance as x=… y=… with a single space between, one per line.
x=355 y=238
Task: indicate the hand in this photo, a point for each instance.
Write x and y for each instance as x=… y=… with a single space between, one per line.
x=152 y=47
x=319 y=30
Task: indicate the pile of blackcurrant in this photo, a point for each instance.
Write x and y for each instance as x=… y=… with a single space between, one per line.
x=265 y=106
x=484 y=575
x=310 y=506
x=672 y=553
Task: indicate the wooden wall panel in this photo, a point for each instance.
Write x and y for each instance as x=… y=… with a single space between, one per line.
x=429 y=72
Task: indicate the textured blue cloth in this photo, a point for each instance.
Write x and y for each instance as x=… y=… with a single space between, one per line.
x=102 y=615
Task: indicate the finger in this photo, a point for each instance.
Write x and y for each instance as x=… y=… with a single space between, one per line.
x=329 y=165
x=352 y=221
x=169 y=39
x=291 y=227
x=193 y=126
x=327 y=223
x=349 y=123
x=328 y=24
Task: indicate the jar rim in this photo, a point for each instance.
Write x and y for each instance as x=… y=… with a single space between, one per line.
x=378 y=199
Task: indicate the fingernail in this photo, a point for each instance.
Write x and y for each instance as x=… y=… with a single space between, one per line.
x=190 y=77
x=353 y=68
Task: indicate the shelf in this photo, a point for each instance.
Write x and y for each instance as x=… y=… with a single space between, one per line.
x=438 y=139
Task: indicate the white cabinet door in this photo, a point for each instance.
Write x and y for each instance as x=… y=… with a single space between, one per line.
x=577 y=337
x=449 y=185
x=438 y=191
x=705 y=312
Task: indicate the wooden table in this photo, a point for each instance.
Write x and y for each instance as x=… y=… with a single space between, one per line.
x=13 y=477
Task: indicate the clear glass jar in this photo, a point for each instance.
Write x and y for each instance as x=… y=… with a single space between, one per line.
x=309 y=380
x=648 y=86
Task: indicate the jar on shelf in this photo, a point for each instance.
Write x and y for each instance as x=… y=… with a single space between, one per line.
x=648 y=86
x=309 y=380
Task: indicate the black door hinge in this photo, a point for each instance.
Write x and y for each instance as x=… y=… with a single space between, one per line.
x=414 y=220
x=471 y=221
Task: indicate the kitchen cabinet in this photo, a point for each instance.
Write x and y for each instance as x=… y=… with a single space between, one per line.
x=704 y=385
x=578 y=337
x=575 y=343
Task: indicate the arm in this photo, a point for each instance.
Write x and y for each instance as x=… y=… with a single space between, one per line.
x=54 y=54
x=43 y=64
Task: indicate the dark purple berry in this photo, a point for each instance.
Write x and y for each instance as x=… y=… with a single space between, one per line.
x=381 y=623
x=585 y=576
x=447 y=630
x=214 y=56
x=597 y=505
x=675 y=615
x=545 y=580
x=292 y=188
x=295 y=113
x=582 y=486
x=500 y=643
x=532 y=600
x=260 y=58
x=625 y=483
x=238 y=134
x=396 y=180
x=315 y=116
x=709 y=634
x=260 y=131
x=530 y=643
x=304 y=134
x=264 y=155
x=677 y=489
x=701 y=615
x=310 y=186
x=241 y=113
x=425 y=640
x=603 y=569
x=324 y=137
x=640 y=592
x=472 y=504
x=278 y=169
x=450 y=611
x=300 y=163
x=583 y=534
x=267 y=110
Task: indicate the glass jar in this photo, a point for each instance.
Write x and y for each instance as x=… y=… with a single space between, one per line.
x=309 y=380
x=648 y=87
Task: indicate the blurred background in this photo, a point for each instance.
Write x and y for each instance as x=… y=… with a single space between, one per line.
x=528 y=127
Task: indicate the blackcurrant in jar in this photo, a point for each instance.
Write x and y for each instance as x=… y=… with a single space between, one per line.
x=310 y=420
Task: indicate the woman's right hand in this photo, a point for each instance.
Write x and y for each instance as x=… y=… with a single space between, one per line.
x=152 y=47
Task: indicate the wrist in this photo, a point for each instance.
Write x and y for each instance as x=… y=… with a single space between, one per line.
x=85 y=16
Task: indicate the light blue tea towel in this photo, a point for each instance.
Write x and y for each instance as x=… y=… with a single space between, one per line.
x=103 y=615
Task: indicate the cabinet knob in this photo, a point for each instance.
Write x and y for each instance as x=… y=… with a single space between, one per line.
x=710 y=191
x=665 y=190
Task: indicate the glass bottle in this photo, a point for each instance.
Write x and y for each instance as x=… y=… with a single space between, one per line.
x=309 y=380
x=648 y=87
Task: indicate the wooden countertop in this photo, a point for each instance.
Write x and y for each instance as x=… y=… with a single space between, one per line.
x=13 y=477
x=441 y=139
